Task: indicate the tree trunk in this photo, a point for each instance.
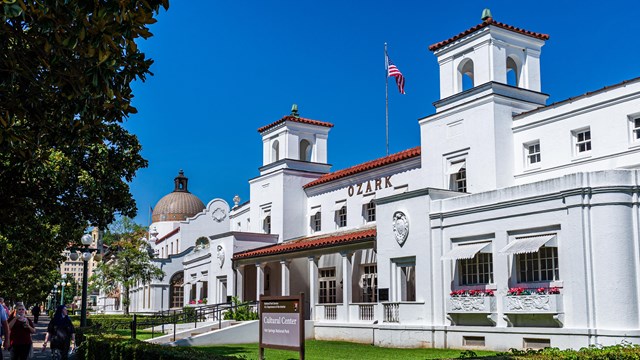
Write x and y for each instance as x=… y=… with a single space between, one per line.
x=126 y=300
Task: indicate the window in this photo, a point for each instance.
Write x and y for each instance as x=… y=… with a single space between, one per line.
x=533 y=153
x=538 y=266
x=305 y=150
x=176 y=291
x=275 y=151
x=266 y=224
x=477 y=270
x=582 y=140
x=327 y=286
x=204 y=290
x=369 y=283
x=341 y=216
x=408 y=283
x=369 y=211
x=635 y=129
x=316 y=221
x=458 y=175
x=192 y=293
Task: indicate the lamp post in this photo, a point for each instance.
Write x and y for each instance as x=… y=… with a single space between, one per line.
x=86 y=241
x=63 y=283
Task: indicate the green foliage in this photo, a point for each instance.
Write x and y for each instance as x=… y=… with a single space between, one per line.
x=240 y=311
x=467 y=354
x=65 y=159
x=624 y=351
x=103 y=347
x=107 y=322
x=129 y=263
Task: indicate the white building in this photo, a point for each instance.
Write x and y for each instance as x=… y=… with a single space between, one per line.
x=504 y=193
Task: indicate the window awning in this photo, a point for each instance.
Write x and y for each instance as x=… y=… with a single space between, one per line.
x=367 y=199
x=467 y=251
x=455 y=167
x=529 y=244
x=339 y=205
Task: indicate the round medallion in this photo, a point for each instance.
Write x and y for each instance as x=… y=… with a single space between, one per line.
x=400 y=227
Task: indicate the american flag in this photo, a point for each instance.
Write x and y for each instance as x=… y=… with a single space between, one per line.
x=392 y=70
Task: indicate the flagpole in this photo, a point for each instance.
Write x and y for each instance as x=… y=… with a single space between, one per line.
x=386 y=95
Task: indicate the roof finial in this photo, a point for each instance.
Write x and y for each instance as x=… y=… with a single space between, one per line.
x=294 y=110
x=486 y=14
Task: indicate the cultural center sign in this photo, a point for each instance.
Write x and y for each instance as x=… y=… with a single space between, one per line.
x=282 y=323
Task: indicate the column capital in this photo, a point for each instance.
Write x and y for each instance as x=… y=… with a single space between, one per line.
x=313 y=258
x=285 y=262
x=346 y=253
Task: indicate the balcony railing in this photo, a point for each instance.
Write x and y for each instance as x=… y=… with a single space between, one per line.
x=471 y=304
x=330 y=312
x=366 y=312
x=391 y=312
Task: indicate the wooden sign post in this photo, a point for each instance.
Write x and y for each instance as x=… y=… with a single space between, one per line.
x=282 y=323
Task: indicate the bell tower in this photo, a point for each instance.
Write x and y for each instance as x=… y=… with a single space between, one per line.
x=489 y=52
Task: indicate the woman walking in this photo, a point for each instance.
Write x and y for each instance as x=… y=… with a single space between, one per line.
x=61 y=332
x=20 y=334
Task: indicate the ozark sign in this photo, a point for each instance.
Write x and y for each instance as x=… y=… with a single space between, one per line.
x=282 y=323
x=369 y=186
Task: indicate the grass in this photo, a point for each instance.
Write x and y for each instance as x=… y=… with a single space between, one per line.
x=140 y=335
x=333 y=350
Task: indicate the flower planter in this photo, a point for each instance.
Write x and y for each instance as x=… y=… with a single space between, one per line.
x=533 y=304
x=471 y=304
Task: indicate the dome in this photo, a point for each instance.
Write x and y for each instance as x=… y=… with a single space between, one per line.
x=179 y=204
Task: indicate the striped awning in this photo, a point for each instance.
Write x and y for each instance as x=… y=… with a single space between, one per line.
x=529 y=244
x=467 y=251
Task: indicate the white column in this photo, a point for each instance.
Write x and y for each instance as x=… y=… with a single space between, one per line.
x=259 y=280
x=238 y=282
x=313 y=285
x=346 y=281
x=284 y=277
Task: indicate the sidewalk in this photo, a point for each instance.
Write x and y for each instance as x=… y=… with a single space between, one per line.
x=38 y=339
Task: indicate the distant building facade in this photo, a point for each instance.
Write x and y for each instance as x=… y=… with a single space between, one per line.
x=514 y=224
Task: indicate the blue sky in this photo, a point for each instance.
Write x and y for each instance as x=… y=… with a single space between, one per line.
x=225 y=68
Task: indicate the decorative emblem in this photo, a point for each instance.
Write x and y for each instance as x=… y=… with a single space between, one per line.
x=220 y=255
x=219 y=214
x=400 y=227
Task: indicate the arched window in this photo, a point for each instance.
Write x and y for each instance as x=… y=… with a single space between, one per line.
x=513 y=72
x=465 y=75
x=176 y=290
x=275 y=151
x=305 y=150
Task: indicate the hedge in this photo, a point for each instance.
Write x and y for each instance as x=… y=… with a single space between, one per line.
x=113 y=322
x=100 y=347
x=624 y=351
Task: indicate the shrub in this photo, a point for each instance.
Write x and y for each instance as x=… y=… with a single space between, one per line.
x=240 y=312
x=114 y=322
x=101 y=347
x=624 y=351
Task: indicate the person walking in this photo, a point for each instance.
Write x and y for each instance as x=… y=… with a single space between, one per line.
x=35 y=311
x=21 y=329
x=61 y=332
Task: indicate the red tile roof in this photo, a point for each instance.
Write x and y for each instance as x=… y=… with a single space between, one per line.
x=295 y=119
x=309 y=243
x=171 y=233
x=486 y=23
x=390 y=159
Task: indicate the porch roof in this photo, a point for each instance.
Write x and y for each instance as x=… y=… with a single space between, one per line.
x=311 y=243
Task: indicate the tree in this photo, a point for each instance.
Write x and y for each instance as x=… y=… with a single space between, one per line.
x=128 y=262
x=66 y=68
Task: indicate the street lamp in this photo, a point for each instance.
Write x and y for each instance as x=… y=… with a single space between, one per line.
x=86 y=241
x=63 y=283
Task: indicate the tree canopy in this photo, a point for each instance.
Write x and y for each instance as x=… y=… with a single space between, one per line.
x=66 y=68
x=128 y=261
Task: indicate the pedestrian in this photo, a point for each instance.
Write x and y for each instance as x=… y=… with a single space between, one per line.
x=61 y=332
x=4 y=329
x=20 y=328
x=35 y=311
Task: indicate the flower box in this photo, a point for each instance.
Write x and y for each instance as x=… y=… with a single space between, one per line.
x=533 y=304
x=471 y=304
